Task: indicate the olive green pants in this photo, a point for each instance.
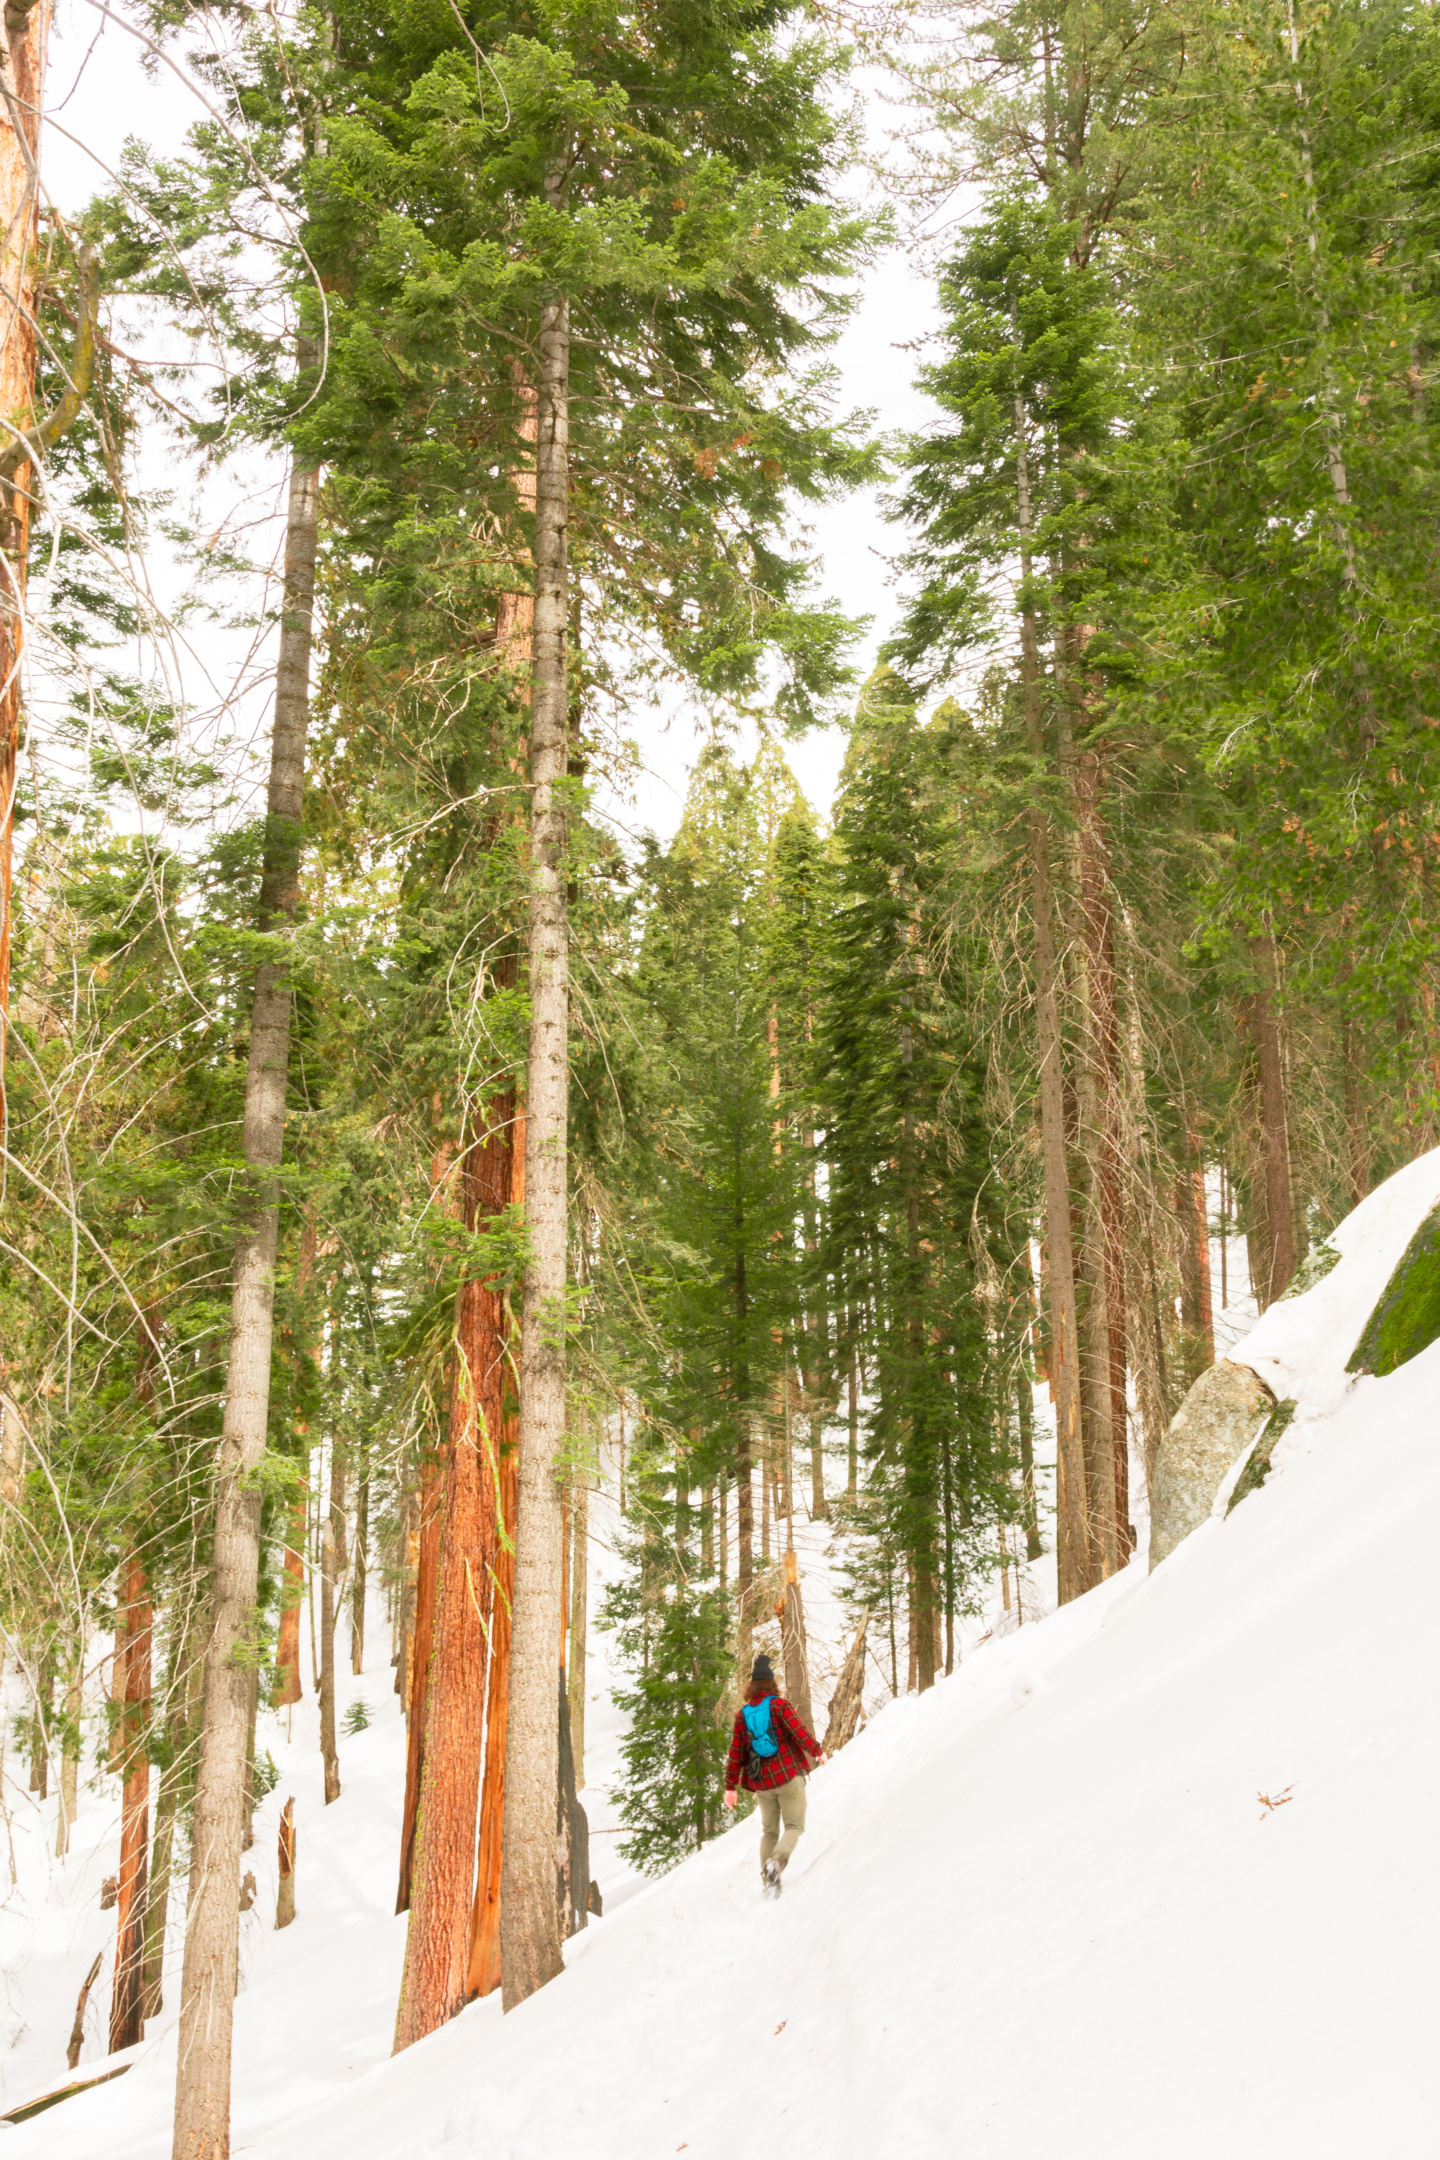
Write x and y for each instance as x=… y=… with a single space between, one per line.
x=781 y=1803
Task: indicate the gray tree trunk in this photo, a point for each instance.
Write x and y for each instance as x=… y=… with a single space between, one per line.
x=529 y=1922
x=332 y=1563
x=202 y=2088
x=579 y=1617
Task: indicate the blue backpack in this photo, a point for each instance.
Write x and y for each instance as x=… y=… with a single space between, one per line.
x=763 y=1743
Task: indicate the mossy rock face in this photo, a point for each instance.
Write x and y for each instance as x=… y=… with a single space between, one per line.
x=1407 y=1318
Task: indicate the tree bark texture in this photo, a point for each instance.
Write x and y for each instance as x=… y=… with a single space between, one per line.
x=1075 y=1565
x=22 y=83
x=437 y=1946
x=202 y=2090
x=530 y=1935
x=484 y=1969
x=132 y=1691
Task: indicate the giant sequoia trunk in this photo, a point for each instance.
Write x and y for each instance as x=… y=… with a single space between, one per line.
x=437 y=1945
x=529 y=1923
x=202 y=2090
x=1073 y=1556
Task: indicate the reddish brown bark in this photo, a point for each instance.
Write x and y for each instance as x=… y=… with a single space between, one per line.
x=484 y=1965
x=483 y=1975
x=287 y=1649
x=427 y=1568
x=132 y=1692
x=442 y=1868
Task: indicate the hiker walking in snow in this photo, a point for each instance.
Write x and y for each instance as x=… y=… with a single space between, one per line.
x=771 y=1755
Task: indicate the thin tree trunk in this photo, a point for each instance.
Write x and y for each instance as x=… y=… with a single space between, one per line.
x=579 y=1618
x=332 y=1562
x=433 y=1988
x=1025 y=1412
x=69 y=1764
x=127 y=2000
x=181 y=1703
x=529 y=1921
x=358 y=1567
x=852 y=1392
x=202 y=2090
x=417 y=1660
x=292 y=1590
x=77 y=2030
x=1275 y=1141
x=22 y=74
x=1075 y=1563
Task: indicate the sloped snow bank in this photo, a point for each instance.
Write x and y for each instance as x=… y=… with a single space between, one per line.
x=1157 y=1876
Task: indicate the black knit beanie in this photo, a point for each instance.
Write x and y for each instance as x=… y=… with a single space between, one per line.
x=762 y=1672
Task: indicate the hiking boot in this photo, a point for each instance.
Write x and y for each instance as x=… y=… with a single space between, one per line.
x=770 y=1879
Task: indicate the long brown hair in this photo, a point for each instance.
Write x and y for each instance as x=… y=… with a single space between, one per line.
x=759 y=1689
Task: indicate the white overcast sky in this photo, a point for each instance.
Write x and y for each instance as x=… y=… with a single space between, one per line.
x=99 y=94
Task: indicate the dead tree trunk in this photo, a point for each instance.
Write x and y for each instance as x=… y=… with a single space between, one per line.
x=793 y=1645
x=202 y=2090
x=132 y=1689
x=285 y=1892
x=845 y=1702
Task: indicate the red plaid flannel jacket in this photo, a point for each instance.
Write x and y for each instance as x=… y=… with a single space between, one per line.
x=795 y=1744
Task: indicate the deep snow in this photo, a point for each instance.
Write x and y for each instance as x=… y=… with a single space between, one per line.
x=1155 y=1876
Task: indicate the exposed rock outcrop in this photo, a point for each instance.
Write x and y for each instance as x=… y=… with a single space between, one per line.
x=1222 y=1412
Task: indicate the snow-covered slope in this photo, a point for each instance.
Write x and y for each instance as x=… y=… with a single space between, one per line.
x=1157 y=1876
